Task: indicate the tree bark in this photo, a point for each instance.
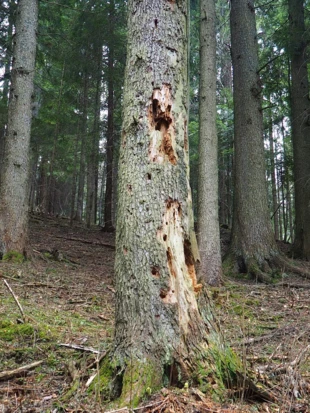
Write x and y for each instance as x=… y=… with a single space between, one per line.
x=253 y=245
x=6 y=82
x=84 y=130
x=275 y=210
x=15 y=176
x=210 y=268
x=161 y=336
x=300 y=123
x=108 y=199
x=92 y=167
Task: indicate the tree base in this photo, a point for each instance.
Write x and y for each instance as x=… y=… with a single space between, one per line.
x=216 y=371
x=262 y=270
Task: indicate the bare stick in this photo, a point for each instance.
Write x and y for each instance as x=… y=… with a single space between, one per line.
x=8 y=374
x=16 y=300
x=81 y=348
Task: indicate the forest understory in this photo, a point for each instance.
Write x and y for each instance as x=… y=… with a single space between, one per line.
x=63 y=329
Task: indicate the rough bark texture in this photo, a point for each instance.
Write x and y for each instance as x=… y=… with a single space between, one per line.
x=253 y=245
x=6 y=82
x=108 y=199
x=161 y=337
x=300 y=122
x=14 y=179
x=210 y=268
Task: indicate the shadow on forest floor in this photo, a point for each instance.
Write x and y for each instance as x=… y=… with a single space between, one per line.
x=67 y=295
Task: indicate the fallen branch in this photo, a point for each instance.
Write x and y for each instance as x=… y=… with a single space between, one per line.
x=9 y=374
x=279 y=331
x=83 y=241
x=289 y=285
x=80 y=348
x=16 y=300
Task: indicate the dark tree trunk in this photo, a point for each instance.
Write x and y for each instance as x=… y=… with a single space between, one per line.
x=253 y=247
x=92 y=169
x=300 y=115
x=108 y=200
x=84 y=130
x=275 y=209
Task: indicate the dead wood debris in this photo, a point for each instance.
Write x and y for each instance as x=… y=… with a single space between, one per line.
x=84 y=241
x=9 y=374
x=80 y=348
x=16 y=299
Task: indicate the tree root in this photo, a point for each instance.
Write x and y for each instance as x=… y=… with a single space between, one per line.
x=263 y=270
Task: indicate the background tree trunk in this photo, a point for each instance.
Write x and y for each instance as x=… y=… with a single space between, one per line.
x=253 y=245
x=108 y=199
x=84 y=131
x=15 y=176
x=210 y=268
x=300 y=115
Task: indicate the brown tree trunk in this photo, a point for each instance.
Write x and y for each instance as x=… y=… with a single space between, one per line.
x=273 y=182
x=300 y=115
x=108 y=200
x=15 y=173
x=6 y=82
x=92 y=167
x=161 y=336
x=84 y=130
x=210 y=268
x=253 y=248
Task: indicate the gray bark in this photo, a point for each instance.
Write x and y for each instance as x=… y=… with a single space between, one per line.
x=300 y=115
x=15 y=176
x=210 y=268
x=253 y=242
x=160 y=333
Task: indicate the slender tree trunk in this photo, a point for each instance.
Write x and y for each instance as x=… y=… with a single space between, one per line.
x=74 y=176
x=92 y=169
x=273 y=182
x=14 y=179
x=300 y=115
x=50 y=187
x=279 y=204
x=108 y=200
x=210 y=268
x=81 y=181
x=253 y=248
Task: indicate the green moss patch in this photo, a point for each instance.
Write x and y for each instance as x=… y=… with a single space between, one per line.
x=14 y=257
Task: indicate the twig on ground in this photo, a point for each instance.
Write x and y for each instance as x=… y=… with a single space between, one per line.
x=83 y=241
x=16 y=300
x=290 y=285
x=80 y=348
x=9 y=374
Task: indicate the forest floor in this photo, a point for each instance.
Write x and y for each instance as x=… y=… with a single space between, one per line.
x=65 y=327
